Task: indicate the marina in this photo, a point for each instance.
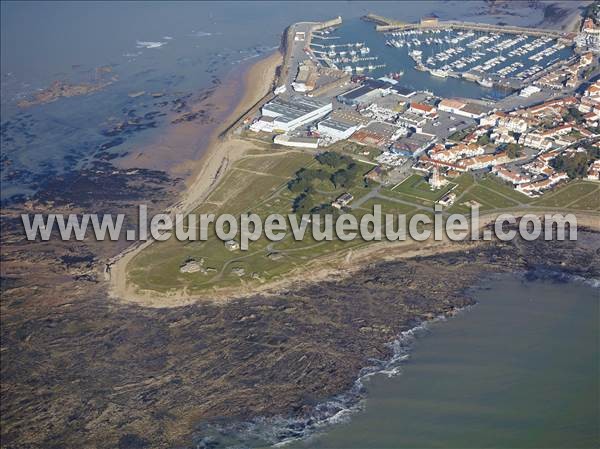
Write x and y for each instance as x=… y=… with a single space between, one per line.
x=352 y=57
x=487 y=58
x=474 y=60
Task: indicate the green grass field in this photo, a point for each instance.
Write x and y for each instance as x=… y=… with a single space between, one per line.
x=416 y=186
x=568 y=194
x=258 y=184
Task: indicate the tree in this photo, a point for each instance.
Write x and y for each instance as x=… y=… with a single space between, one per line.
x=514 y=150
x=483 y=140
x=302 y=204
x=575 y=166
x=573 y=114
x=332 y=159
x=344 y=177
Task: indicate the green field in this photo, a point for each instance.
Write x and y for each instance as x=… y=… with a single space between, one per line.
x=258 y=183
x=416 y=186
x=571 y=193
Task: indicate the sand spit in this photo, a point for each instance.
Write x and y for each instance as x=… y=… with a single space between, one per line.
x=339 y=265
x=206 y=170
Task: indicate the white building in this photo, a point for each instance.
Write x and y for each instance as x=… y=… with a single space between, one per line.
x=335 y=129
x=456 y=152
x=295 y=112
x=529 y=91
x=264 y=124
x=536 y=141
x=532 y=188
x=410 y=120
x=514 y=124
x=510 y=176
x=298 y=142
x=451 y=105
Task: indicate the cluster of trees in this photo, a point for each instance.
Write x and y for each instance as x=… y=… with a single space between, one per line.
x=514 y=150
x=576 y=165
x=483 y=140
x=333 y=159
x=345 y=175
x=573 y=114
x=304 y=178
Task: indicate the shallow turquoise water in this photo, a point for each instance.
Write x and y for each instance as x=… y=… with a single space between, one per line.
x=519 y=370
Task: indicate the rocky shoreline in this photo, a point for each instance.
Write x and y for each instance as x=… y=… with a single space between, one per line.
x=98 y=373
x=81 y=369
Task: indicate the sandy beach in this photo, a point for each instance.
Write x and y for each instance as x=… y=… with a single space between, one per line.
x=204 y=165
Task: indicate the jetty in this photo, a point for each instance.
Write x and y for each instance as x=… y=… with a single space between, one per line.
x=384 y=24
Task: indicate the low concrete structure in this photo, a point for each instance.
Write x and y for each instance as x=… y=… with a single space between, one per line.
x=298 y=142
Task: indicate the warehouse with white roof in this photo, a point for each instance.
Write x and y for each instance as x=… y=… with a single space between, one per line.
x=297 y=111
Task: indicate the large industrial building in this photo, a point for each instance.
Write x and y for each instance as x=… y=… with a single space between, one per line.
x=459 y=107
x=370 y=90
x=336 y=129
x=413 y=145
x=297 y=111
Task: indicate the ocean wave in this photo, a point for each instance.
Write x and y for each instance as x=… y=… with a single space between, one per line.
x=560 y=276
x=168 y=38
x=200 y=34
x=149 y=44
x=281 y=431
x=592 y=282
x=257 y=52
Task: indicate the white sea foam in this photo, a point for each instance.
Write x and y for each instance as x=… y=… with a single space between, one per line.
x=149 y=44
x=280 y=431
x=201 y=34
x=168 y=38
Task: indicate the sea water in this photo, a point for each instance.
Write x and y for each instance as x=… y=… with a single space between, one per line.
x=175 y=48
x=518 y=370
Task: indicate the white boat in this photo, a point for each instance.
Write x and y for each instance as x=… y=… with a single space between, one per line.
x=439 y=73
x=486 y=82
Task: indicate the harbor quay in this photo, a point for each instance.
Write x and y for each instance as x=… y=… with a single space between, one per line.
x=337 y=95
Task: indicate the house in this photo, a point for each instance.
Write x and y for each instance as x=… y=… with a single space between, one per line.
x=456 y=152
x=510 y=176
x=593 y=173
x=422 y=109
x=484 y=161
x=492 y=119
x=593 y=90
x=342 y=201
x=534 y=140
x=374 y=174
x=513 y=124
x=539 y=186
